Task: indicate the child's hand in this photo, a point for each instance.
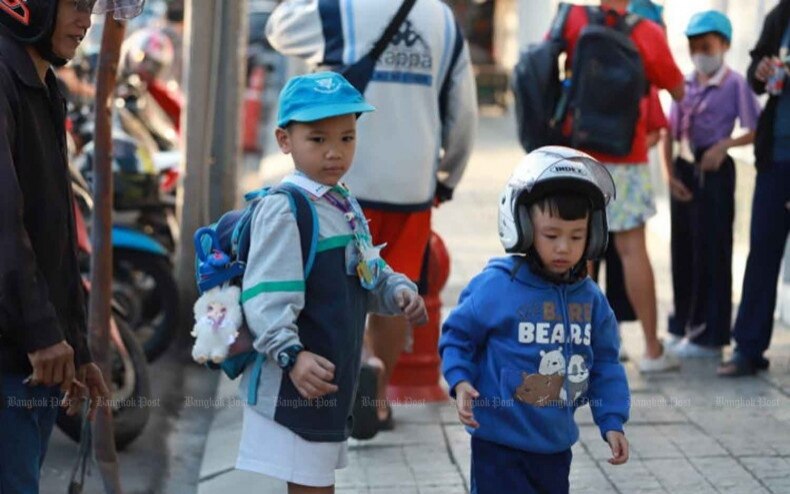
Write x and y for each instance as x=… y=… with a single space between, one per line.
x=679 y=190
x=312 y=375
x=713 y=158
x=619 y=445
x=412 y=306
x=464 y=394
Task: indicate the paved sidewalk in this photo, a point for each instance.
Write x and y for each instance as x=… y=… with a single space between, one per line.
x=690 y=432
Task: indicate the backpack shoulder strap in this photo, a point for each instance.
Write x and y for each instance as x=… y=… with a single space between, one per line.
x=306 y=221
x=392 y=28
x=595 y=15
x=558 y=25
x=629 y=21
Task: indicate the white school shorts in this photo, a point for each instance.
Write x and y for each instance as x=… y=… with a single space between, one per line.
x=271 y=449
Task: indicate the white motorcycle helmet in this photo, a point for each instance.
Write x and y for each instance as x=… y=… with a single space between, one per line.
x=546 y=170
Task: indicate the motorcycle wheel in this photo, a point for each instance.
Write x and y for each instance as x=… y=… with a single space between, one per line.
x=130 y=392
x=146 y=291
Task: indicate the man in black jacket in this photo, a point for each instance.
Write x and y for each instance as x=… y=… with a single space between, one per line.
x=771 y=204
x=43 y=345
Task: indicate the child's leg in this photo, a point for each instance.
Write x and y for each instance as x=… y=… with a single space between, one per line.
x=500 y=469
x=304 y=489
x=715 y=231
x=682 y=249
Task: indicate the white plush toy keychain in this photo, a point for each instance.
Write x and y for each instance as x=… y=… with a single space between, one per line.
x=218 y=314
x=218 y=318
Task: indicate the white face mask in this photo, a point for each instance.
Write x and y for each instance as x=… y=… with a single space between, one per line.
x=707 y=64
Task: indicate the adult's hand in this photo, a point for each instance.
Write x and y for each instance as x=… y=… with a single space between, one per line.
x=765 y=68
x=52 y=366
x=91 y=375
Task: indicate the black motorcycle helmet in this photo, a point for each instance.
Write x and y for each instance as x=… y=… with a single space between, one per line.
x=32 y=22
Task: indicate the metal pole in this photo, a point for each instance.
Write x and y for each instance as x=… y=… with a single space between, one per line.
x=101 y=260
x=192 y=197
x=226 y=147
x=214 y=37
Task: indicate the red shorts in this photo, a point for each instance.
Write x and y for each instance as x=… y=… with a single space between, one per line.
x=406 y=236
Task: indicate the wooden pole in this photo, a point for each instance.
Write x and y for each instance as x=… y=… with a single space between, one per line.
x=101 y=260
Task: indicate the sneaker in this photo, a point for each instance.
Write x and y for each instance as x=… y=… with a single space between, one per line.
x=666 y=362
x=365 y=423
x=688 y=349
x=622 y=354
x=673 y=340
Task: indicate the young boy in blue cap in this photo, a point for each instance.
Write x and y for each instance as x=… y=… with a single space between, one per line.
x=533 y=337
x=702 y=187
x=311 y=328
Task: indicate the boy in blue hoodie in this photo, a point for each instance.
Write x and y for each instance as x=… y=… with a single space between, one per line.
x=533 y=337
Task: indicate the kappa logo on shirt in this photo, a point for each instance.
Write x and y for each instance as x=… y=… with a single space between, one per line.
x=408 y=52
x=16 y=9
x=408 y=36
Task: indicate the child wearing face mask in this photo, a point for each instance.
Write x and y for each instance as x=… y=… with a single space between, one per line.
x=702 y=187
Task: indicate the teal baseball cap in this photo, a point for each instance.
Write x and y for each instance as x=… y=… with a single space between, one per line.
x=648 y=9
x=710 y=21
x=311 y=97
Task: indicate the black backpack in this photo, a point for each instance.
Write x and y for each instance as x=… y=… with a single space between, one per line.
x=608 y=85
x=538 y=89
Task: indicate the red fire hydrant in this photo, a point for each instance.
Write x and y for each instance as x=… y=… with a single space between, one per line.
x=416 y=375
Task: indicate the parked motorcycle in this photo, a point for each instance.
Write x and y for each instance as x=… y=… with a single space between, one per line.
x=128 y=380
x=143 y=282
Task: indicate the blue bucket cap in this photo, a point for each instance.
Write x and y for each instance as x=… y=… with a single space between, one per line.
x=710 y=21
x=649 y=10
x=311 y=97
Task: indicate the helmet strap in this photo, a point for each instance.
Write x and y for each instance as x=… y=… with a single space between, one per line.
x=576 y=273
x=44 y=45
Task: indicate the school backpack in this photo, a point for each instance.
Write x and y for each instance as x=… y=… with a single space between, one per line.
x=538 y=89
x=228 y=240
x=608 y=84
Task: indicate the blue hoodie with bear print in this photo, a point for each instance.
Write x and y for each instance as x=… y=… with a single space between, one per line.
x=535 y=351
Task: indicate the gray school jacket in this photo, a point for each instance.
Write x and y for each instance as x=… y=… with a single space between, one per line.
x=324 y=313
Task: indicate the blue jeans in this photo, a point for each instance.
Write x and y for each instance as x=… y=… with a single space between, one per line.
x=770 y=226
x=27 y=416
